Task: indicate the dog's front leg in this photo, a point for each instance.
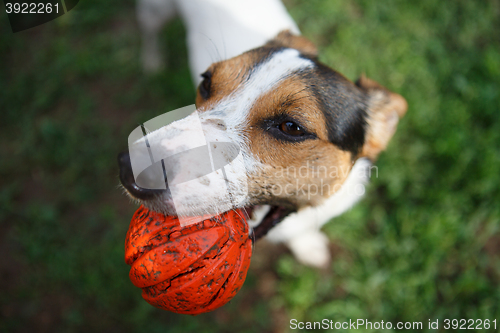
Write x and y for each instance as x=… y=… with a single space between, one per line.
x=301 y=231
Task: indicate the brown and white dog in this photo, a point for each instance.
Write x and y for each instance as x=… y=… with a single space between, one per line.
x=307 y=135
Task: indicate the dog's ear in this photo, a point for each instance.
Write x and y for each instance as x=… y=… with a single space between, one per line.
x=287 y=39
x=385 y=108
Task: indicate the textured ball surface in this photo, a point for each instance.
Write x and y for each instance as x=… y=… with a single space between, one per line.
x=192 y=269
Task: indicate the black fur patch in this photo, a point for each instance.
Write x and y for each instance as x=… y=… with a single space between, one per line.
x=343 y=105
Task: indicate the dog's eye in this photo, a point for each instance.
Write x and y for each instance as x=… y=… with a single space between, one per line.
x=291 y=128
x=204 y=87
x=286 y=129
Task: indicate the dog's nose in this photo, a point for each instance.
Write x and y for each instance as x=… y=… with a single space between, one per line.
x=128 y=181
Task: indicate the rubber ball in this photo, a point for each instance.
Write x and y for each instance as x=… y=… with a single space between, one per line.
x=192 y=269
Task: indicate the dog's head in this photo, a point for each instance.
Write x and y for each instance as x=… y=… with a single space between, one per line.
x=297 y=123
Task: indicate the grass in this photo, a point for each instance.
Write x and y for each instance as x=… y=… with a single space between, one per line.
x=423 y=244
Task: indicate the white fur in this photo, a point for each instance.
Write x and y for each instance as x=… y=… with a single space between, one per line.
x=301 y=230
x=218 y=30
x=209 y=194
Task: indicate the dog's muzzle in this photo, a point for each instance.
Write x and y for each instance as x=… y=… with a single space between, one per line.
x=128 y=181
x=273 y=217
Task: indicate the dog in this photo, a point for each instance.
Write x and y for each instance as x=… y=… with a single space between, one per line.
x=301 y=127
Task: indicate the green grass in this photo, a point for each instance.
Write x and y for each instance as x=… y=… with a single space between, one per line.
x=424 y=243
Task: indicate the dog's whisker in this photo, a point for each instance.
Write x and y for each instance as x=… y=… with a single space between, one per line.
x=286 y=112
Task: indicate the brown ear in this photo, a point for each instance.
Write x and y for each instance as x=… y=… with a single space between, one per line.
x=385 y=108
x=287 y=39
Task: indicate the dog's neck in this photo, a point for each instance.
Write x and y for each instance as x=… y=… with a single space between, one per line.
x=241 y=25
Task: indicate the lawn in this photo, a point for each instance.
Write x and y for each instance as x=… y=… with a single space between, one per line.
x=423 y=245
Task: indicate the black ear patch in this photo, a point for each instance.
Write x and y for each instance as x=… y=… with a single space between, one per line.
x=343 y=105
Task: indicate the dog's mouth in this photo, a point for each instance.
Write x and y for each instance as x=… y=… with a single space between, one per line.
x=275 y=214
x=128 y=181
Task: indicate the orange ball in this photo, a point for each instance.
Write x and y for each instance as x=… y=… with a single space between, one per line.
x=192 y=269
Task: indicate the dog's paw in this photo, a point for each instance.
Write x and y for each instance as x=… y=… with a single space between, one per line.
x=311 y=249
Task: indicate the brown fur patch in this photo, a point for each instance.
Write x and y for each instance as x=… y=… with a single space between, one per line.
x=228 y=75
x=291 y=97
x=287 y=39
x=294 y=173
x=303 y=173
x=385 y=108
